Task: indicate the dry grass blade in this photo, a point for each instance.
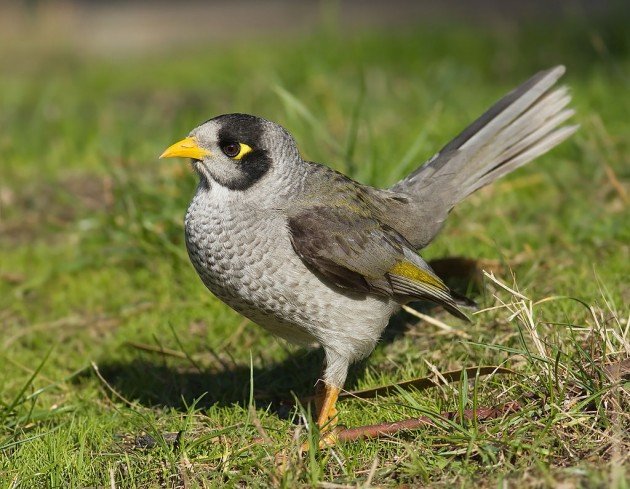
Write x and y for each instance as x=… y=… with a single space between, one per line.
x=422 y=383
x=156 y=349
x=110 y=388
x=618 y=370
x=617 y=185
x=253 y=415
x=503 y=286
x=434 y=322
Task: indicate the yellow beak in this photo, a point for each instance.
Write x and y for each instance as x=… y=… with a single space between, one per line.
x=186 y=148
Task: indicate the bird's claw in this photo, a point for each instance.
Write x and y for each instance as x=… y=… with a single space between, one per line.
x=327 y=439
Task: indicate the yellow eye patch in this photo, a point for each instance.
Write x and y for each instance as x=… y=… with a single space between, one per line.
x=236 y=150
x=244 y=149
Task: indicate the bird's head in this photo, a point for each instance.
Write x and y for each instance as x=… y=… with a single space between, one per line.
x=237 y=151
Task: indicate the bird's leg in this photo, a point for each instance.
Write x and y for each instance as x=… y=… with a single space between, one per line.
x=327 y=391
x=325 y=402
x=333 y=376
x=320 y=394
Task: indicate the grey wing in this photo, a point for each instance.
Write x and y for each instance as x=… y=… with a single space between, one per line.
x=358 y=252
x=349 y=249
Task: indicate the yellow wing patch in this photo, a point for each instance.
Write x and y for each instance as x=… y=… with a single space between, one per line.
x=411 y=271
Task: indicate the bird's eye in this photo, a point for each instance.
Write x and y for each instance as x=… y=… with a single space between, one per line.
x=231 y=149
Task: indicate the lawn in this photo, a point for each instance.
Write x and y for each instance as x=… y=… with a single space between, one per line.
x=119 y=369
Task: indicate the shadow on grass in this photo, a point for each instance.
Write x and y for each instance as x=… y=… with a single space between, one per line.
x=177 y=383
x=166 y=382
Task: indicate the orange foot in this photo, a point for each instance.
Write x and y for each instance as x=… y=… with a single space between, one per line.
x=325 y=402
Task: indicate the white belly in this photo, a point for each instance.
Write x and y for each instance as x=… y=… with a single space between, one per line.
x=249 y=263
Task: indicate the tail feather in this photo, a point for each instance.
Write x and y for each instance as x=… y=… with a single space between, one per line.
x=521 y=126
x=543 y=145
x=524 y=136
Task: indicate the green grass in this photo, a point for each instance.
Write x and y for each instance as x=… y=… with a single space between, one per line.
x=92 y=257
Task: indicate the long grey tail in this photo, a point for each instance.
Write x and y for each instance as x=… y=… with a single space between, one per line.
x=523 y=125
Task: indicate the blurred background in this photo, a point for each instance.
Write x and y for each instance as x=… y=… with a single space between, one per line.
x=91 y=223
x=136 y=27
x=94 y=84
x=92 y=255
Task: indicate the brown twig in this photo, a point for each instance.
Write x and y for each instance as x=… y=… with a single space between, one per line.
x=387 y=429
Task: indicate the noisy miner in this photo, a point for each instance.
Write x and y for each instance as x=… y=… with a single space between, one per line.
x=316 y=257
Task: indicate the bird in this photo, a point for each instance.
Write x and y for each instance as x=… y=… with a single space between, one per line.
x=318 y=258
